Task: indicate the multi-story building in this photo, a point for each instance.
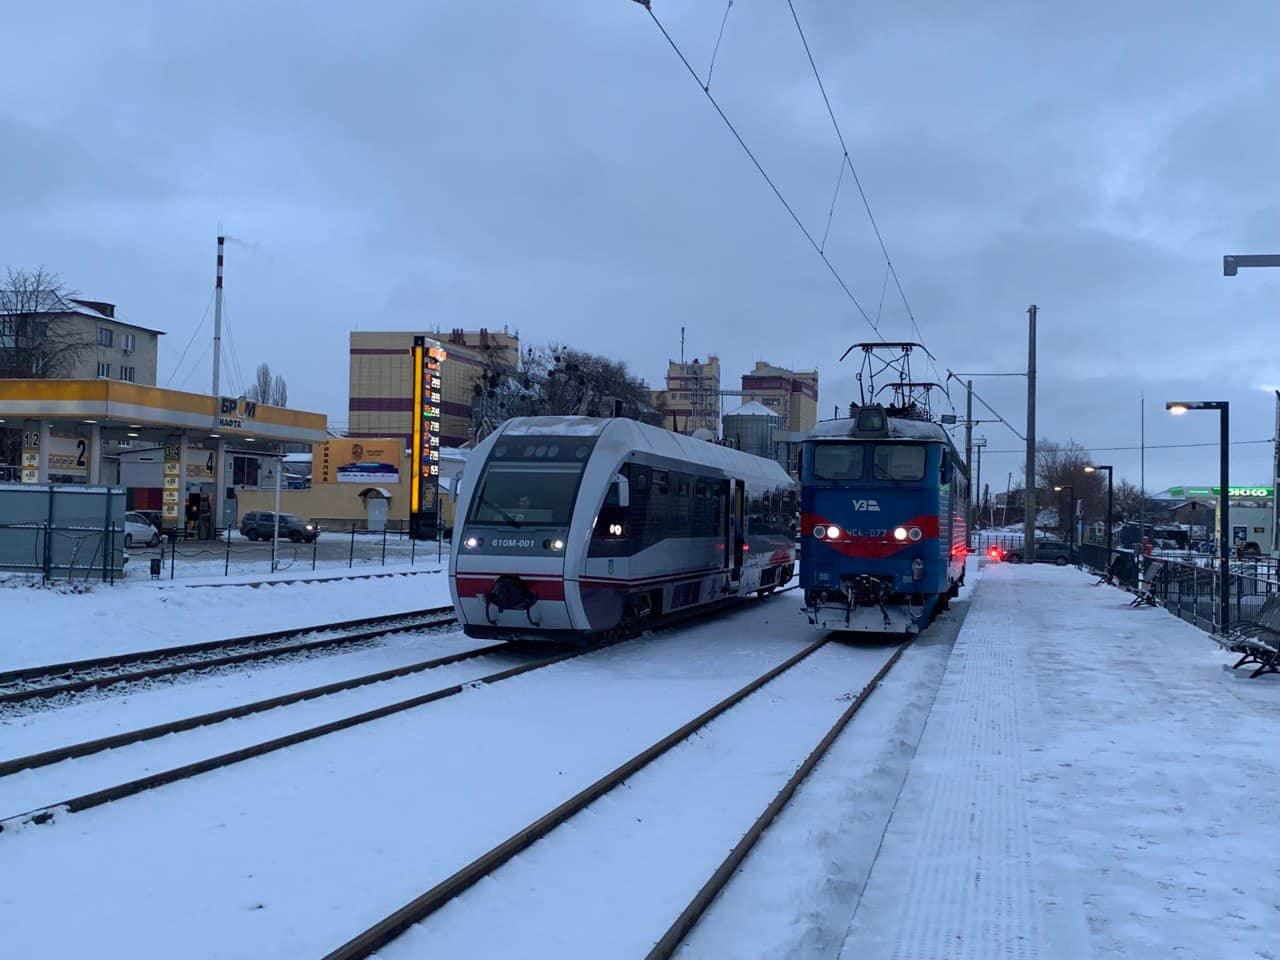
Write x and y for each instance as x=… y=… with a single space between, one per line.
x=380 y=397
x=692 y=399
x=69 y=338
x=791 y=394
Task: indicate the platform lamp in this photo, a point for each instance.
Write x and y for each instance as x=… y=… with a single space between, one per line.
x=1071 y=519
x=1094 y=468
x=1177 y=408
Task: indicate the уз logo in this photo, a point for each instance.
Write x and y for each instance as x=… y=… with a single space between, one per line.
x=866 y=505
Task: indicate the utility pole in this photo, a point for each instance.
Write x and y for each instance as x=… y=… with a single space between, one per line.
x=1142 y=475
x=968 y=465
x=1029 y=494
x=217 y=320
x=977 y=446
x=682 y=344
x=1004 y=511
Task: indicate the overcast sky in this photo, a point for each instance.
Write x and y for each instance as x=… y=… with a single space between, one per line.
x=553 y=169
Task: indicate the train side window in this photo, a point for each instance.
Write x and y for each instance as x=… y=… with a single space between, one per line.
x=944 y=467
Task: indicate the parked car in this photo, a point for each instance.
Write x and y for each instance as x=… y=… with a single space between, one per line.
x=1249 y=550
x=260 y=524
x=1047 y=551
x=137 y=529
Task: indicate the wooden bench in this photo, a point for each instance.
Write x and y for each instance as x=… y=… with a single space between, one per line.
x=1257 y=640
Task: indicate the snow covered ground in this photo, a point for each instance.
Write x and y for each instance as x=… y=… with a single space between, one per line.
x=51 y=625
x=1046 y=774
x=292 y=853
x=1092 y=781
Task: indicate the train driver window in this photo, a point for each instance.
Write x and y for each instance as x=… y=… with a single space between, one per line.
x=899 y=461
x=837 y=461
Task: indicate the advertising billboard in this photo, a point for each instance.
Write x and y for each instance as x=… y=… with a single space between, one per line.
x=370 y=462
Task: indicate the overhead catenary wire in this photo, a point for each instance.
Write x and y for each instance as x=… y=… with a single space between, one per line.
x=1152 y=446
x=847 y=159
x=706 y=87
x=761 y=170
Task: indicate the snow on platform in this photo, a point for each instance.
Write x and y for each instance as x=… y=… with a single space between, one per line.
x=1091 y=781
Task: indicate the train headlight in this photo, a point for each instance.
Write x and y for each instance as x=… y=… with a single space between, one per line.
x=899 y=533
x=472 y=542
x=820 y=532
x=557 y=544
x=833 y=532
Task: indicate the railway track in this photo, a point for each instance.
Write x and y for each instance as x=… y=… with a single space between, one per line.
x=120 y=791
x=422 y=907
x=32 y=684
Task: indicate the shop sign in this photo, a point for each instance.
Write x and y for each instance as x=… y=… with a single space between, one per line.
x=234 y=411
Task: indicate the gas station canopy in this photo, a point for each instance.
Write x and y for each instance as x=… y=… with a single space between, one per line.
x=111 y=403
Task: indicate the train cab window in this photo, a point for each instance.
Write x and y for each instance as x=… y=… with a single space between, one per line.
x=899 y=461
x=837 y=461
x=944 y=468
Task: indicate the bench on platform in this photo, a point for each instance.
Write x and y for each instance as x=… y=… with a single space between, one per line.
x=1145 y=595
x=1257 y=640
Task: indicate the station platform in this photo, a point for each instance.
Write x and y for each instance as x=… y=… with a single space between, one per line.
x=1092 y=780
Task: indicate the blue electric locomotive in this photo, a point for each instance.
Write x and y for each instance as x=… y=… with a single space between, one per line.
x=883 y=519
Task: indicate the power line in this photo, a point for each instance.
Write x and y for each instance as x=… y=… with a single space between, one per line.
x=866 y=203
x=760 y=168
x=1153 y=446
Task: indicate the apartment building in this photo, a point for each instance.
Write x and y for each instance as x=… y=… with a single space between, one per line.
x=86 y=336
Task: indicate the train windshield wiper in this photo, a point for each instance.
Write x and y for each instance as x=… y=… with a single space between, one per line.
x=485 y=502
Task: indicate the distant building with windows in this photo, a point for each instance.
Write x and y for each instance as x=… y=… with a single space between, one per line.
x=691 y=400
x=105 y=347
x=380 y=393
x=790 y=394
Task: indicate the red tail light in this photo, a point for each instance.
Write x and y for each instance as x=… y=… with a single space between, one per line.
x=995 y=553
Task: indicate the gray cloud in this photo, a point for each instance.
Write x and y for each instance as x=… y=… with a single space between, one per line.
x=550 y=168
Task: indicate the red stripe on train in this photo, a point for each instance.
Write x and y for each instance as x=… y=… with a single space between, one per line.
x=478 y=586
x=867 y=546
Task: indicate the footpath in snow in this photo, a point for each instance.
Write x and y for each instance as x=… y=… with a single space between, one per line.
x=1091 y=781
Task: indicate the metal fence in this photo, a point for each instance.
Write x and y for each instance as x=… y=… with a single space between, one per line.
x=58 y=532
x=335 y=547
x=1188 y=586
x=1192 y=592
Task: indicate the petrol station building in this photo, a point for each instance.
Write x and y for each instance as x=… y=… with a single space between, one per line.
x=186 y=455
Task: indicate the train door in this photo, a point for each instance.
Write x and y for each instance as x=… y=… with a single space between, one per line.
x=738 y=526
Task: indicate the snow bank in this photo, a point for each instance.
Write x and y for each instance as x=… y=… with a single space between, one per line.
x=49 y=625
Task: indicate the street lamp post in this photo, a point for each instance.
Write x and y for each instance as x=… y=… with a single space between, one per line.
x=1093 y=468
x=1177 y=408
x=1071 y=522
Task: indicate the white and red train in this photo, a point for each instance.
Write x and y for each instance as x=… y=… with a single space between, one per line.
x=574 y=525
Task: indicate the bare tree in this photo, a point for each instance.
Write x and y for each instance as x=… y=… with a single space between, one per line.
x=559 y=381
x=268 y=389
x=38 y=338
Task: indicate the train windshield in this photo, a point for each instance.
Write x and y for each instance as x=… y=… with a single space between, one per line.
x=837 y=461
x=531 y=481
x=899 y=461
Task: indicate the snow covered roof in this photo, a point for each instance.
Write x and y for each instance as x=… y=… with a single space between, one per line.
x=898 y=429
x=751 y=408
x=51 y=302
